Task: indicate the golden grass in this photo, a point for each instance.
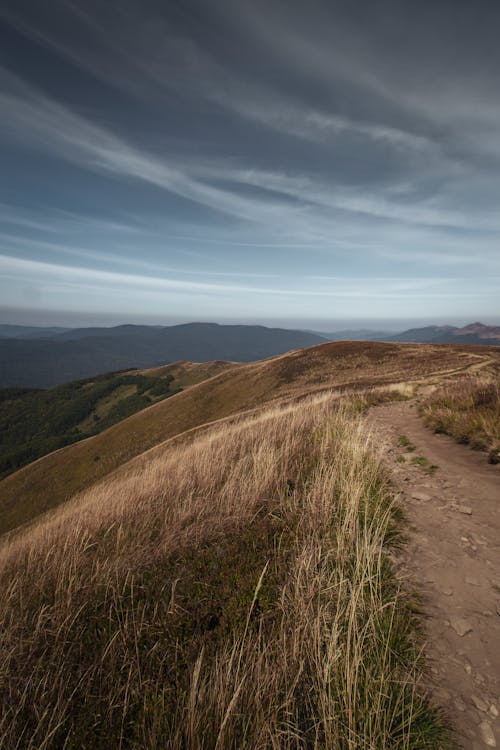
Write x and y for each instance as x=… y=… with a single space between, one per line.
x=234 y=592
x=189 y=373
x=50 y=481
x=468 y=409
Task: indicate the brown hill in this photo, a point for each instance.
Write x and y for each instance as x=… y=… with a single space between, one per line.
x=236 y=576
x=479 y=329
x=235 y=388
x=235 y=592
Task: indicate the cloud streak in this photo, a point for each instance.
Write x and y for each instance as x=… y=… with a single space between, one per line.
x=76 y=276
x=262 y=151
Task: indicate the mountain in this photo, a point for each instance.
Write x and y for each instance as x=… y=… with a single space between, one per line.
x=361 y=334
x=74 y=334
x=81 y=353
x=45 y=357
x=426 y=335
x=480 y=331
x=473 y=333
x=234 y=389
x=171 y=577
x=225 y=570
x=30 y=332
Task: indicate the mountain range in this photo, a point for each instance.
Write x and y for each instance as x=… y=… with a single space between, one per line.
x=473 y=333
x=46 y=357
x=44 y=362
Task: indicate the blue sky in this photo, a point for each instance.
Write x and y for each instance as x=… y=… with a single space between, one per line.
x=321 y=164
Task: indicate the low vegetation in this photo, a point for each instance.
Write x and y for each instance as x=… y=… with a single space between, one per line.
x=405 y=442
x=424 y=464
x=468 y=409
x=34 y=422
x=236 y=591
x=375 y=371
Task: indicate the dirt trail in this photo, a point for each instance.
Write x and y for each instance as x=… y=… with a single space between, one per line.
x=453 y=558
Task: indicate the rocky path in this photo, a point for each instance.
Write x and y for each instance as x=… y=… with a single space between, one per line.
x=453 y=558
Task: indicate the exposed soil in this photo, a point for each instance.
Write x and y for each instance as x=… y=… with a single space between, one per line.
x=453 y=558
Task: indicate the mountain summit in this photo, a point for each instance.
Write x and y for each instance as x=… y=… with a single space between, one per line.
x=473 y=333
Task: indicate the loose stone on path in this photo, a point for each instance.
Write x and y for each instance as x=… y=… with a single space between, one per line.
x=460 y=626
x=487 y=735
x=479 y=703
x=422 y=496
x=465 y=509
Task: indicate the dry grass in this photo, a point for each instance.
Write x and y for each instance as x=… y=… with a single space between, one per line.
x=364 y=399
x=50 y=481
x=190 y=373
x=468 y=409
x=234 y=593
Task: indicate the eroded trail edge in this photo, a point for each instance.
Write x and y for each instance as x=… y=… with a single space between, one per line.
x=453 y=559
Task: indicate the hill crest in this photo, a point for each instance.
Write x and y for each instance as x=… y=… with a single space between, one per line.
x=238 y=388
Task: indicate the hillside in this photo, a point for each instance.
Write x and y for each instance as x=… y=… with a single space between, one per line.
x=35 y=422
x=234 y=591
x=226 y=569
x=346 y=366
x=29 y=332
x=82 y=353
x=423 y=335
x=474 y=333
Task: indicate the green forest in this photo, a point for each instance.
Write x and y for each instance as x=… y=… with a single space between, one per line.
x=35 y=422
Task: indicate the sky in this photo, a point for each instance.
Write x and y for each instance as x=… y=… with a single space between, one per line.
x=324 y=164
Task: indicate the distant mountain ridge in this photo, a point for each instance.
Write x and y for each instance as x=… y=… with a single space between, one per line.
x=356 y=334
x=80 y=353
x=479 y=329
x=473 y=333
x=8 y=331
x=46 y=357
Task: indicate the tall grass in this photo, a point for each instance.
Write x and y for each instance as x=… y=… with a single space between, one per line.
x=235 y=593
x=468 y=409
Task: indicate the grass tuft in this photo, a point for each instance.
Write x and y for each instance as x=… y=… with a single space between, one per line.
x=468 y=410
x=424 y=464
x=405 y=442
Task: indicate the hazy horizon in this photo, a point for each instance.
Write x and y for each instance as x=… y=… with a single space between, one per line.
x=320 y=325
x=330 y=165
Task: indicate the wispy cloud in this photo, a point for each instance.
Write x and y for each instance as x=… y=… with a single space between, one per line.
x=40 y=121
x=104 y=257
x=75 y=275
x=196 y=69
x=272 y=110
x=59 y=221
x=265 y=170
x=31 y=117
x=379 y=204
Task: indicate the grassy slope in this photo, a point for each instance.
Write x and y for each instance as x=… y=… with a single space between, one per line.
x=233 y=592
x=51 y=480
x=468 y=409
x=37 y=422
x=34 y=423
